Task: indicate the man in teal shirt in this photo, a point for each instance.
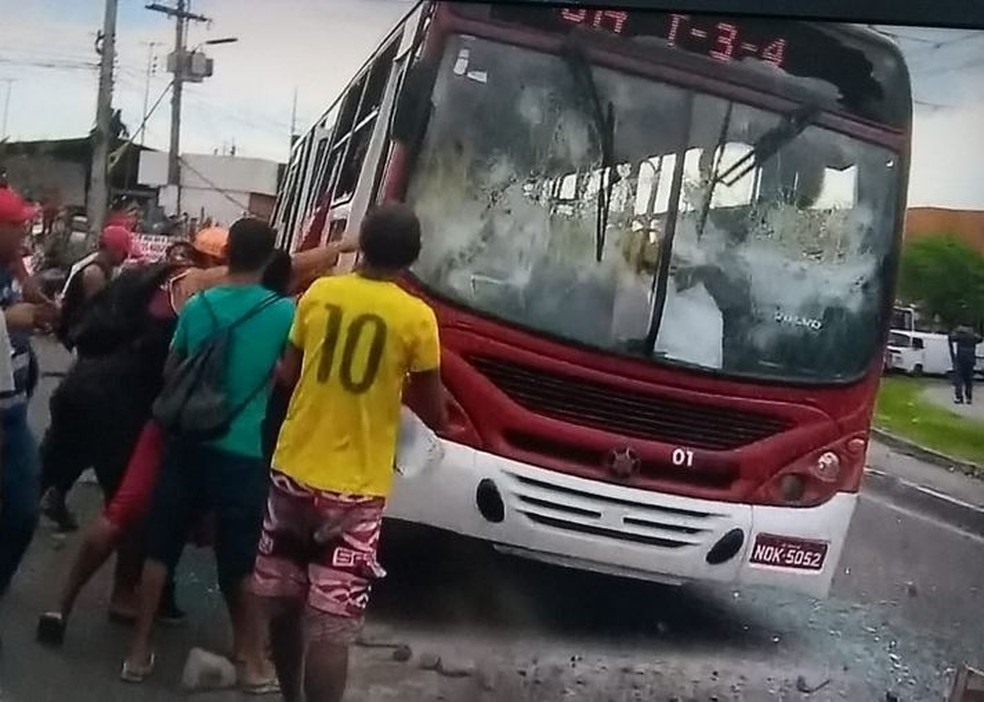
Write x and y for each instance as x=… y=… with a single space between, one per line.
x=227 y=475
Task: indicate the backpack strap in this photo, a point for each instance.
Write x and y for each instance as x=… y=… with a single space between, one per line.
x=255 y=310
x=249 y=315
x=238 y=410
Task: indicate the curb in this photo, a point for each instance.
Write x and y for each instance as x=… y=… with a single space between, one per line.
x=910 y=448
x=962 y=515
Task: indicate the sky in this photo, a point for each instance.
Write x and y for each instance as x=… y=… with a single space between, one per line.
x=312 y=48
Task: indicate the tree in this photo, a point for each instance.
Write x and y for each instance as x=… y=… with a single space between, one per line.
x=944 y=276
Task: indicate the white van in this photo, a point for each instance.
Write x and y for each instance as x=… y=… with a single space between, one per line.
x=918 y=353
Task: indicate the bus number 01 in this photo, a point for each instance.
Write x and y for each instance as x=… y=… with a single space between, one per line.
x=364 y=323
x=683 y=457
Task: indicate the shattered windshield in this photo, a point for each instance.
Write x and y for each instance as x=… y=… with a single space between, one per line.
x=778 y=273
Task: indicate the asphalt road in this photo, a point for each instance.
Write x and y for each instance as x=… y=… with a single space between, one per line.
x=904 y=611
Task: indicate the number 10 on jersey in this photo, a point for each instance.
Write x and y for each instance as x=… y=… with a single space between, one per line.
x=364 y=332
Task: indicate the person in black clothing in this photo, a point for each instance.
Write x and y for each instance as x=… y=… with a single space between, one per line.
x=102 y=404
x=963 y=353
x=90 y=275
x=276 y=278
x=61 y=469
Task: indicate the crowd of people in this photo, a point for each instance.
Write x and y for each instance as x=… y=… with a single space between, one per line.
x=215 y=408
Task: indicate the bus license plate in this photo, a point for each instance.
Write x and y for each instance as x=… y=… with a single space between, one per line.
x=787 y=552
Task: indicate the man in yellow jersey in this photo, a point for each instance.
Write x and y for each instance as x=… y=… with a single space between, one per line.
x=355 y=342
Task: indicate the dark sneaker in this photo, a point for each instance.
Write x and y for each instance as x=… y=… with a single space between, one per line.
x=54 y=508
x=51 y=629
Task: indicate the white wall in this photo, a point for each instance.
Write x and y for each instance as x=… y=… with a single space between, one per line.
x=218 y=206
x=232 y=173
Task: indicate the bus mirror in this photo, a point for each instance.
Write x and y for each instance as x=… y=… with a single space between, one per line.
x=414 y=105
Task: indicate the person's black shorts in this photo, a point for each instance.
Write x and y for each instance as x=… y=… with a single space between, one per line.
x=196 y=479
x=97 y=414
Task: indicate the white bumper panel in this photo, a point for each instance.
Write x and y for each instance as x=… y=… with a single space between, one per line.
x=597 y=526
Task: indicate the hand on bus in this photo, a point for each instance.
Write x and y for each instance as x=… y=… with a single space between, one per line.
x=348 y=245
x=428 y=398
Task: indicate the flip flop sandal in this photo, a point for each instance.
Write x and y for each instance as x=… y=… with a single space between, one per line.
x=137 y=673
x=265 y=687
x=51 y=629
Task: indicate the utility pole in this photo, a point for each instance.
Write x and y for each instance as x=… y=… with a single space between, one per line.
x=150 y=70
x=293 y=124
x=6 y=105
x=98 y=181
x=181 y=16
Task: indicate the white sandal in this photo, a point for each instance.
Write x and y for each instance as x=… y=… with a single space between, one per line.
x=137 y=674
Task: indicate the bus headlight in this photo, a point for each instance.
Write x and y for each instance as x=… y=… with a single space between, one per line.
x=817 y=476
x=828 y=467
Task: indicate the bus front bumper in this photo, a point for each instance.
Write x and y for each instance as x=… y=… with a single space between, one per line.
x=589 y=525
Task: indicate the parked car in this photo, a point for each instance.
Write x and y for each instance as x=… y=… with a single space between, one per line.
x=918 y=353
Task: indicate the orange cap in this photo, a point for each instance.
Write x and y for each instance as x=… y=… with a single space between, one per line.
x=212 y=242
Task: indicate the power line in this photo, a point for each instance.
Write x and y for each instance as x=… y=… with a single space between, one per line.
x=935 y=105
x=224 y=193
x=6 y=104
x=58 y=65
x=975 y=63
x=48 y=53
x=116 y=155
x=930 y=44
x=253 y=119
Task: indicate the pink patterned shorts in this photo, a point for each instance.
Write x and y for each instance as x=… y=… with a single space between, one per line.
x=320 y=547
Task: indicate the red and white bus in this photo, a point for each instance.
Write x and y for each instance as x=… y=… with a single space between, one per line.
x=662 y=251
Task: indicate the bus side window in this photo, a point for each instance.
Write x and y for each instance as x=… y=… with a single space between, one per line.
x=918 y=344
x=337 y=229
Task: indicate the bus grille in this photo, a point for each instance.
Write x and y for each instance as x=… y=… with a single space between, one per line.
x=627 y=412
x=643 y=523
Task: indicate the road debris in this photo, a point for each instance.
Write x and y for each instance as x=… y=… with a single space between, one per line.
x=207 y=671
x=429 y=661
x=806 y=688
x=453 y=667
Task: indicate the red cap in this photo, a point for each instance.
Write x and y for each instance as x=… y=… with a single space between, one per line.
x=116 y=238
x=14 y=209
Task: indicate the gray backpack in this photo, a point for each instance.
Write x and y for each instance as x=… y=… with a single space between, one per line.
x=194 y=404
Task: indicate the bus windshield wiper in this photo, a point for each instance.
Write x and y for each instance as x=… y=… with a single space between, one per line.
x=717 y=155
x=768 y=145
x=579 y=64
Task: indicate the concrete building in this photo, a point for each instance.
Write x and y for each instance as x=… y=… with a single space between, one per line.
x=220 y=188
x=967 y=225
x=59 y=170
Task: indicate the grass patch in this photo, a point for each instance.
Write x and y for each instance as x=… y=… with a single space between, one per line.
x=902 y=410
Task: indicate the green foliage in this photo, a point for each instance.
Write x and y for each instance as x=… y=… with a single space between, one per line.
x=903 y=411
x=945 y=277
